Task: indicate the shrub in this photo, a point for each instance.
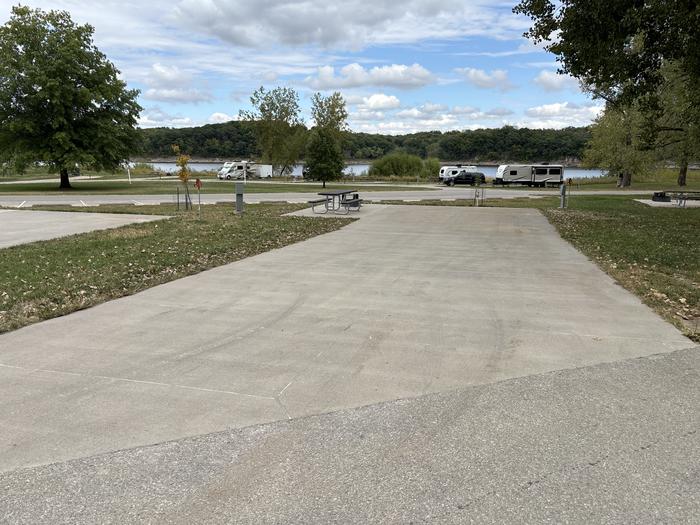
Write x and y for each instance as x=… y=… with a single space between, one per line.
x=400 y=165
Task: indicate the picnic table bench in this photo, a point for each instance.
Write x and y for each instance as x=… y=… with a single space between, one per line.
x=681 y=197
x=336 y=201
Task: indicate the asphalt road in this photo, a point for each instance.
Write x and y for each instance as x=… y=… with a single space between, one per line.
x=612 y=443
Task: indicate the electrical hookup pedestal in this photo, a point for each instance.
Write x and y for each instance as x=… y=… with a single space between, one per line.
x=240 y=188
x=564 y=197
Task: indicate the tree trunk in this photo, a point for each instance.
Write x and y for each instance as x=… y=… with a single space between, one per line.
x=65 y=182
x=324 y=184
x=683 y=172
x=626 y=179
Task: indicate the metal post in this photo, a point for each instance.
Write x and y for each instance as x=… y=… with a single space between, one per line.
x=562 y=192
x=178 y=197
x=240 y=186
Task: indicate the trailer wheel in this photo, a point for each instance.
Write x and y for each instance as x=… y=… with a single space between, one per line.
x=228 y=177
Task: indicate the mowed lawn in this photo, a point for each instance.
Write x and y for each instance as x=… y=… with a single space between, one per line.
x=168 y=186
x=52 y=278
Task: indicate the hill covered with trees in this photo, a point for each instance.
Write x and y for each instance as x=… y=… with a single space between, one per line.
x=237 y=140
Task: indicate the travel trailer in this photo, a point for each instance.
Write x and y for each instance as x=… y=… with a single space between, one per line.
x=447 y=172
x=244 y=169
x=530 y=174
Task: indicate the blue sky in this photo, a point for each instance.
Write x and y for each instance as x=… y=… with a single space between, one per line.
x=402 y=67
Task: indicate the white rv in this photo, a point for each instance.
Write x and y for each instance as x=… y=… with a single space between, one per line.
x=447 y=172
x=244 y=169
x=530 y=174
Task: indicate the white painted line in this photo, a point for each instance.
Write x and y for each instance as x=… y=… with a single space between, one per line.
x=127 y=380
x=285 y=388
x=448 y=200
x=137 y=203
x=83 y=203
x=411 y=200
x=21 y=204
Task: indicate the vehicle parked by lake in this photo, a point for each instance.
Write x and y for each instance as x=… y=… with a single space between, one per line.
x=465 y=177
x=453 y=171
x=244 y=169
x=530 y=174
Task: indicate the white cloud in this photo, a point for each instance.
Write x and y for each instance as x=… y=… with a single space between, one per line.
x=464 y=110
x=167 y=76
x=155 y=117
x=380 y=101
x=351 y=24
x=523 y=49
x=426 y=112
x=552 y=81
x=561 y=115
x=354 y=75
x=182 y=95
x=498 y=112
x=497 y=79
x=219 y=118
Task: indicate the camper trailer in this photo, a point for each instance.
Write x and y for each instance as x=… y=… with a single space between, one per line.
x=530 y=174
x=244 y=169
x=447 y=172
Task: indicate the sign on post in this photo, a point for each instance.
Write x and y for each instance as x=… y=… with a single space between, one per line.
x=198 y=185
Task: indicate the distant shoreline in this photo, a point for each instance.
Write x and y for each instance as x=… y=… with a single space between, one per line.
x=360 y=162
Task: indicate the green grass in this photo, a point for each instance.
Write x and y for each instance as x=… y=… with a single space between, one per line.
x=52 y=278
x=655 y=180
x=652 y=252
x=169 y=186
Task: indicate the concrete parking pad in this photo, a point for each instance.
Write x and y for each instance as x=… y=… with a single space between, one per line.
x=408 y=300
x=23 y=226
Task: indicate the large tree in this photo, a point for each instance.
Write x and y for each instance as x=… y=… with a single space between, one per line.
x=279 y=129
x=641 y=57
x=617 y=145
x=61 y=101
x=619 y=47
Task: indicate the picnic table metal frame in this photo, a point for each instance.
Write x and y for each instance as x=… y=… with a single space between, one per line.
x=331 y=196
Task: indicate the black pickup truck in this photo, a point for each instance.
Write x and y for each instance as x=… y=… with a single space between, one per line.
x=466 y=177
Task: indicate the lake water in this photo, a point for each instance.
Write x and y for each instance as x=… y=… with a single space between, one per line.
x=361 y=169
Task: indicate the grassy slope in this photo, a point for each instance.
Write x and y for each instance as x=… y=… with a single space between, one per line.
x=51 y=278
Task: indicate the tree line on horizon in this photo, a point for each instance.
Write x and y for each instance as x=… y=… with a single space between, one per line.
x=237 y=139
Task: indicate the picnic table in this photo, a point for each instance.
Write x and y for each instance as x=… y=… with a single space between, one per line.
x=337 y=200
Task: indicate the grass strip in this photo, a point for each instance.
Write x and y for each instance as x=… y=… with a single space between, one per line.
x=48 y=279
x=168 y=186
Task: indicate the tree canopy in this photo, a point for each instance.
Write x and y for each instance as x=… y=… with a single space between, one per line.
x=280 y=132
x=640 y=57
x=61 y=100
x=508 y=144
x=618 y=48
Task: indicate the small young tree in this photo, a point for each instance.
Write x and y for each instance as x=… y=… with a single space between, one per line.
x=182 y=162
x=279 y=129
x=61 y=100
x=324 y=158
x=324 y=153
